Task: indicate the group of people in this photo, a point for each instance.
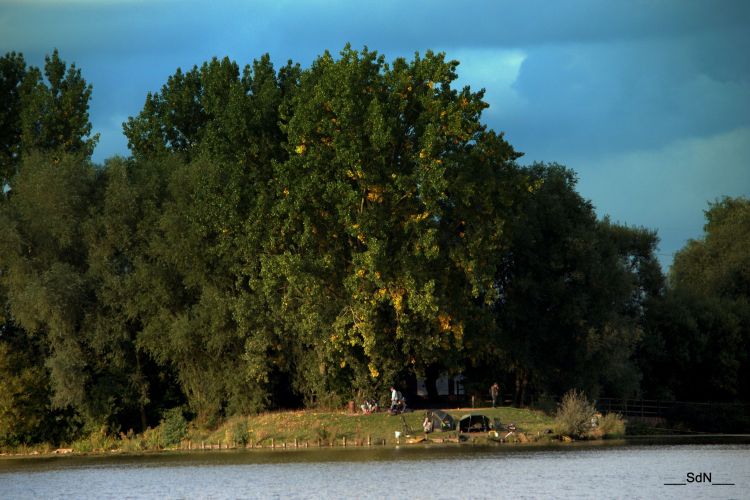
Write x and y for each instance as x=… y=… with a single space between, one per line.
x=370 y=406
x=398 y=404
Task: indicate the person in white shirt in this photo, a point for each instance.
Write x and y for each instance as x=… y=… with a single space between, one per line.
x=395 y=399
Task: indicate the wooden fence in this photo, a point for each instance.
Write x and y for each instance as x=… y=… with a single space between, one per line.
x=659 y=408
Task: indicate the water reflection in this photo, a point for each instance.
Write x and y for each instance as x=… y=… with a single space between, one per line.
x=605 y=471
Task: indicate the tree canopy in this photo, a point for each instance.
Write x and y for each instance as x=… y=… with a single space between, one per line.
x=306 y=236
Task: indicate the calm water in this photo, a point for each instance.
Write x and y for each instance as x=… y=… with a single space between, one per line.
x=601 y=471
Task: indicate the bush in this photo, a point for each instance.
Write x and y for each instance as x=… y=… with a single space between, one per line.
x=152 y=438
x=237 y=433
x=610 y=425
x=98 y=440
x=173 y=427
x=574 y=414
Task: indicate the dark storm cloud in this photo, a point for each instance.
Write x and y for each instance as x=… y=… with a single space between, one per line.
x=616 y=96
x=631 y=94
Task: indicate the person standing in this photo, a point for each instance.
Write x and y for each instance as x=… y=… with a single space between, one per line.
x=494 y=393
x=395 y=399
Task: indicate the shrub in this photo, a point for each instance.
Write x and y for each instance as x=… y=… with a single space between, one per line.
x=152 y=438
x=98 y=440
x=173 y=427
x=323 y=433
x=574 y=414
x=238 y=433
x=611 y=425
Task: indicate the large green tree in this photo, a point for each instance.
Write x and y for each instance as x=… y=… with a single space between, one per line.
x=699 y=334
x=44 y=155
x=221 y=132
x=390 y=210
x=44 y=263
x=573 y=293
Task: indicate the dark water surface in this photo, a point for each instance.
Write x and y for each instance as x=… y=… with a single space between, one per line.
x=611 y=470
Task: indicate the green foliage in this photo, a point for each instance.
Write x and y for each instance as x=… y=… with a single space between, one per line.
x=45 y=279
x=97 y=441
x=574 y=414
x=238 y=432
x=24 y=393
x=54 y=109
x=609 y=426
x=574 y=291
x=719 y=263
x=382 y=219
x=296 y=236
x=173 y=427
x=12 y=74
x=697 y=342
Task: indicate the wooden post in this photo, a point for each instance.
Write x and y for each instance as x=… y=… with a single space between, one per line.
x=344 y=441
x=273 y=443
x=296 y=445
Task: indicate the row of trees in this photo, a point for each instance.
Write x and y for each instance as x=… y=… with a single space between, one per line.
x=303 y=236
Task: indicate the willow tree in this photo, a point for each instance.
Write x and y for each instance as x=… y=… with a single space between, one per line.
x=218 y=130
x=46 y=145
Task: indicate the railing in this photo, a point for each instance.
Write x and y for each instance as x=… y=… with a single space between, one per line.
x=659 y=408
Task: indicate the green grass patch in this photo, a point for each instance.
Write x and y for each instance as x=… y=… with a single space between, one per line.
x=305 y=428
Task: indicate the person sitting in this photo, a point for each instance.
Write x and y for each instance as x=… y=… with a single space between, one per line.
x=369 y=406
x=366 y=407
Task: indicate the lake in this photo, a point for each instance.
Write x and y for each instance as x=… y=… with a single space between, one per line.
x=621 y=469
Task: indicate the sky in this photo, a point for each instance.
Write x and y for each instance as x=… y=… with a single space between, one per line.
x=648 y=101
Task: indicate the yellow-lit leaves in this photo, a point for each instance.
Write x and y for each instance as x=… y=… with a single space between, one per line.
x=535 y=186
x=445 y=322
x=419 y=217
x=397 y=298
x=375 y=194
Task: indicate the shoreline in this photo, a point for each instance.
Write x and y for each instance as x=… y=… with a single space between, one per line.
x=473 y=440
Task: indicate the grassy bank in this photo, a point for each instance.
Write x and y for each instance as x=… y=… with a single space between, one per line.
x=310 y=428
x=317 y=427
